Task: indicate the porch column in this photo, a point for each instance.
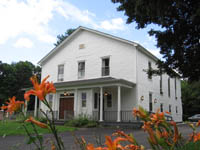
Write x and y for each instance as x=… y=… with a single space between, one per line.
x=35 y=109
x=118 y=103
x=101 y=104
x=76 y=102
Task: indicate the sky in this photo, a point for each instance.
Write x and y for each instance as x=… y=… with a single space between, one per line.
x=29 y=28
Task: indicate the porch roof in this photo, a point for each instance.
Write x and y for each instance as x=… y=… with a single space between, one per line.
x=97 y=82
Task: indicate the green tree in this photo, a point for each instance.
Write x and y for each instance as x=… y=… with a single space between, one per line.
x=14 y=77
x=7 y=82
x=179 y=38
x=62 y=37
x=190 y=98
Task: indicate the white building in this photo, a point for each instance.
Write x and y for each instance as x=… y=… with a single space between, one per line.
x=104 y=77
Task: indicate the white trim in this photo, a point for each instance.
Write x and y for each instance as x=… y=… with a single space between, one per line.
x=118 y=103
x=93 y=86
x=101 y=104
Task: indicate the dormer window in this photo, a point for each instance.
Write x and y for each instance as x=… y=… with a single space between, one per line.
x=81 y=69
x=105 y=71
x=61 y=73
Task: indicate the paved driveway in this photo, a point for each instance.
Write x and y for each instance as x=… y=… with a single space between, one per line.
x=18 y=142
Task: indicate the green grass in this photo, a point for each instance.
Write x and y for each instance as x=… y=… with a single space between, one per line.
x=16 y=128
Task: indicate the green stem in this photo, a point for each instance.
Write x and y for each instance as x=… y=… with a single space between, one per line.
x=37 y=135
x=52 y=125
x=30 y=136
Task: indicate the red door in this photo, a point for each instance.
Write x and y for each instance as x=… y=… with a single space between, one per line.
x=66 y=110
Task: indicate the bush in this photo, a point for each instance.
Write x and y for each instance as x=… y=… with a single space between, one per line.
x=81 y=121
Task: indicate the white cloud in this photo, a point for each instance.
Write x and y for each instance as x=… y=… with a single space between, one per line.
x=113 y=24
x=23 y=43
x=70 y=11
x=32 y=17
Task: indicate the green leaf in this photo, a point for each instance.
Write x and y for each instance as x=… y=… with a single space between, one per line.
x=31 y=140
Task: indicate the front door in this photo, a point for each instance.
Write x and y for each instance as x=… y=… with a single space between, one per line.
x=66 y=110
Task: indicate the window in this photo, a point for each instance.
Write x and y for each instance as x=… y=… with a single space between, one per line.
x=81 y=46
x=161 y=90
x=96 y=98
x=149 y=70
x=50 y=100
x=150 y=102
x=177 y=109
x=81 y=70
x=60 y=72
x=109 y=100
x=175 y=87
x=169 y=87
x=83 y=97
x=170 y=108
x=161 y=107
x=105 y=67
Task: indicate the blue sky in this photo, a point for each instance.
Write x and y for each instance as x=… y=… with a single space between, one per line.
x=29 y=27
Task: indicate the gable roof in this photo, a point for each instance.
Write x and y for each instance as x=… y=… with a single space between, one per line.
x=57 y=48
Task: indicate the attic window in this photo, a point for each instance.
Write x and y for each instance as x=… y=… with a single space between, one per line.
x=81 y=46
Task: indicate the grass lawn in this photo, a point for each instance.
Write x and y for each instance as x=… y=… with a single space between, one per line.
x=16 y=128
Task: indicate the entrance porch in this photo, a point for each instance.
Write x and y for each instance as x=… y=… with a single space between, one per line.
x=103 y=99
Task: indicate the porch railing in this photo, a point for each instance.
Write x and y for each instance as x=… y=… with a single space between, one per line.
x=49 y=114
x=110 y=115
x=126 y=116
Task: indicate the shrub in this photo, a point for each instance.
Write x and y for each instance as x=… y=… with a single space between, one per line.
x=81 y=121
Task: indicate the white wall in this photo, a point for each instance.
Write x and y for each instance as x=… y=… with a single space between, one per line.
x=145 y=85
x=122 y=58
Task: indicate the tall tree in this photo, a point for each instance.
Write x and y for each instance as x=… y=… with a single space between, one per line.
x=179 y=39
x=190 y=98
x=15 y=77
x=62 y=37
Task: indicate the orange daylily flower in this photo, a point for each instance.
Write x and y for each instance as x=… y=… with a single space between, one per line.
x=40 y=124
x=176 y=134
x=158 y=134
x=148 y=128
x=195 y=137
x=114 y=145
x=167 y=112
x=198 y=123
x=134 y=147
x=157 y=118
x=129 y=138
x=53 y=147
x=13 y=105
x=139 y=112
x=40 y=90
x=165 y=134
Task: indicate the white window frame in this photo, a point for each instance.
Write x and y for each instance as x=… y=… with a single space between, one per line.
x=105 y=70
x=50 y=100
x=81 y=71
x=61 y=75
x=83 y=100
